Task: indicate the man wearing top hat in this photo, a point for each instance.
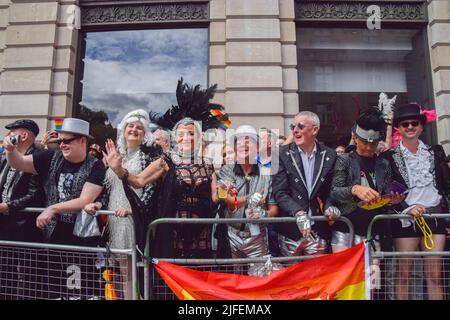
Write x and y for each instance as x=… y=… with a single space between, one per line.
x=422 y=169
x=71 y=179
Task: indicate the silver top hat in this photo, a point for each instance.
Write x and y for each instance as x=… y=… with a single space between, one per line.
x=76 y=126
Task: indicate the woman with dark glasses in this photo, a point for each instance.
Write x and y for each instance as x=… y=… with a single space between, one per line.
x=422 y=169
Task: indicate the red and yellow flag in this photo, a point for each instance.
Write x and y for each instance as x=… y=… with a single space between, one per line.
x=339 y=276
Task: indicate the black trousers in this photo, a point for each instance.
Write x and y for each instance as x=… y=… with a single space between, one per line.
x=18 y=265
x=70 y=274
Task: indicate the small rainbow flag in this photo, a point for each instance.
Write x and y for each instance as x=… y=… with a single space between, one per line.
x=338 y=276
x=222 y=117
x=58 y=123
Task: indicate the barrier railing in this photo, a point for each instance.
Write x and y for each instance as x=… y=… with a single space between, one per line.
x=53 y=271
x=154 y=286
x=390 y=282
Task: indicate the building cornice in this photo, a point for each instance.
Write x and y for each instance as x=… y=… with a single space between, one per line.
x=100 y=13
x=394 y=11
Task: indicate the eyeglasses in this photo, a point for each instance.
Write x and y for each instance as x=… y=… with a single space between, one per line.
x=406 y=124
x=66 y=141
x=301 y=126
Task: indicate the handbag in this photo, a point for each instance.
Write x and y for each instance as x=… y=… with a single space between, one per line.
x=86 y=226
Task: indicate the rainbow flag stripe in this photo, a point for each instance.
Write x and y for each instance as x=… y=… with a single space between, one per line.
x=58 y=123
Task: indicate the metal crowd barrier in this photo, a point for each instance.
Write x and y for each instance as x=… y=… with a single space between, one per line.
x=385 y=278
x=156 y=289
x=44 y=271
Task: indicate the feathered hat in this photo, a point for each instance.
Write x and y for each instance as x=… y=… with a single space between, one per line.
x=193 y=103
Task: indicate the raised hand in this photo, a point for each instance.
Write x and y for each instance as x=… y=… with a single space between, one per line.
x=112 y=156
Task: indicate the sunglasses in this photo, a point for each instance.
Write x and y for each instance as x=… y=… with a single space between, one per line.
x=66 y=141
x=406 y=124
x=301 y=126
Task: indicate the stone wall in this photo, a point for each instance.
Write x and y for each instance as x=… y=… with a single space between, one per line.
x=253 y=60
x=37 y=60
x=439 y=39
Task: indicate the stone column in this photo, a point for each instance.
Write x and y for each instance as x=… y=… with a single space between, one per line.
x=439 y=39
x=289 y=62
x=247 y=42
x=4 y=17
x=38 y=62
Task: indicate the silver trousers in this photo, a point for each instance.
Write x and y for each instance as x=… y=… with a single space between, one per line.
x=303 y=247
x=244 y=245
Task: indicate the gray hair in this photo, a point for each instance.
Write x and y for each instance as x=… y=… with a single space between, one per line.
x=197 y=130
x=314 y=118
x=165 y=134
x=187 y=122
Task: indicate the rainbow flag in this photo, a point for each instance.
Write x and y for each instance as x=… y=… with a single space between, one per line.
x=339 y=276
x=58 y=123
x=222 y=117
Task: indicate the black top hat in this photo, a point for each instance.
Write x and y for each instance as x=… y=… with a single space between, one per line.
x=408 y=111
x=24 y=123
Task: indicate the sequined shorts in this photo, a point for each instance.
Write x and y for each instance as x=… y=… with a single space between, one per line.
x=339 y=238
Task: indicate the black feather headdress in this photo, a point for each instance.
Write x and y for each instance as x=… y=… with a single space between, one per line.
x=193 y=103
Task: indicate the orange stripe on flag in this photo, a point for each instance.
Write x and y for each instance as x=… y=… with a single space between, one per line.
x=335 y=276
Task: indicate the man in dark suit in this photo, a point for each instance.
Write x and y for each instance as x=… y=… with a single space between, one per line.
x=302 y=187
x=19 y=190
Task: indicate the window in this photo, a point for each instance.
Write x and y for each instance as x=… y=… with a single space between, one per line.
x=343 y=70
x=127 y=70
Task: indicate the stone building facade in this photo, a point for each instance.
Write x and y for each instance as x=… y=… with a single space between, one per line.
x=253 y=50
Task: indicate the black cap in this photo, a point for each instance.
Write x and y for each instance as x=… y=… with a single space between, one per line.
x=24 y=123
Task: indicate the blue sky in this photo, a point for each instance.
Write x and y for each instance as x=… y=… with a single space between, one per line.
x=127 y=70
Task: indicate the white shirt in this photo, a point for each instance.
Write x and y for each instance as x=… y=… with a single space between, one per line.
x=418 y=169
x=308 y=168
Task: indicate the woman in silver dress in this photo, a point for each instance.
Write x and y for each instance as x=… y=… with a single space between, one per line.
x=132 y=133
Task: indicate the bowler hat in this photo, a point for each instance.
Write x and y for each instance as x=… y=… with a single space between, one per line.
x=408 y=111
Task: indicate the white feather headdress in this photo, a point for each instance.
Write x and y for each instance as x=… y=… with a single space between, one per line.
x=386 y=105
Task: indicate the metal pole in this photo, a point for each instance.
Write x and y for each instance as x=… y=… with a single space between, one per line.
x=146 y=280
x=134 y=274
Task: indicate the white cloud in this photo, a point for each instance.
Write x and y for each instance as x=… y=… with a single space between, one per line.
x=139 y=69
